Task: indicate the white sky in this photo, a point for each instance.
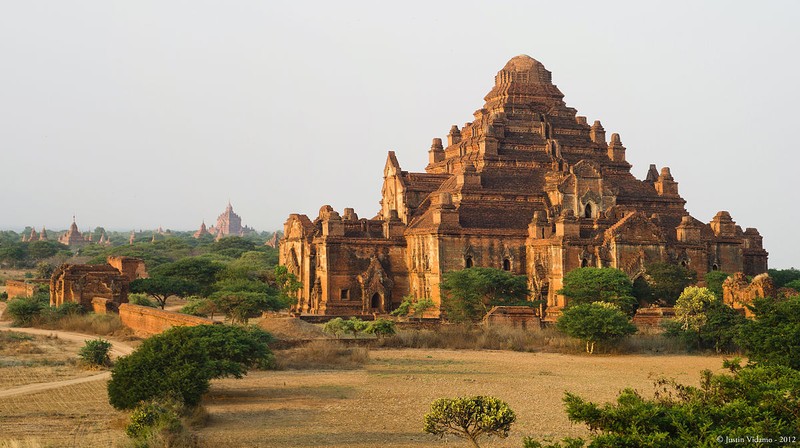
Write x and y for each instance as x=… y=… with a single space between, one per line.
x=141 y=114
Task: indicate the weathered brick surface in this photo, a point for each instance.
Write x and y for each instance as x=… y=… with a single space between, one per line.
x=22 y=288
x=147 y=321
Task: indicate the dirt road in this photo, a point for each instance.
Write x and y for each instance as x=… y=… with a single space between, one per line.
x=118 y=349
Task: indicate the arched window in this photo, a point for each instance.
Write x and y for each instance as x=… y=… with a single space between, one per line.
x=714 y=267
x=587 y=211
x=506 y=264
x=584 y=263
x=468 y=261
x=542 y=232
x=375 y=302
x=683 y=263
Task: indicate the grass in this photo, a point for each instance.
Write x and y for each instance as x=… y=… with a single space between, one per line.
x=90 y=323
x=322 y=355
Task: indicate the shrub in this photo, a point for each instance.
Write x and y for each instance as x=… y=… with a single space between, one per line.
x=470 y=418
x=23 y=311
x=595 y=322
x=52 y=314
x=181 y=362
x=153 y=415
x=753 y=400
x=381 y=328
x=3 y=296
x=339 y=326
x=323 y=354
x=141 y=300
x=200 y=307
x=773 y=336
x=95 y=353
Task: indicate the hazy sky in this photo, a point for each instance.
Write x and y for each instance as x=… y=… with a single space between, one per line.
x=141 y=114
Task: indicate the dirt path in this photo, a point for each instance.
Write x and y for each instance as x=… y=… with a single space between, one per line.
x=118 y=349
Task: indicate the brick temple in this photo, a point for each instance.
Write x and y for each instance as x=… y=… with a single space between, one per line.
x=530 y=187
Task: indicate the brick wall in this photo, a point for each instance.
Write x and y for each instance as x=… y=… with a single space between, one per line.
x=146 y=321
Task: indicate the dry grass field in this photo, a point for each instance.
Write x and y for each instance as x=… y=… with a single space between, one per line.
x=378 y=405
x=382 y=405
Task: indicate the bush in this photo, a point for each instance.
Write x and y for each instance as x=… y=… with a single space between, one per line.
x=773 y=337
x=339 y=326
x=757 y=400
x=181 y=361
x=3 y=296
x=323 y=354
x=23 y=311
x=595 y=322
x=95 y=353
x=381 y=328
x=200 y=307
x=141 y=300
x=469 y=418
x=152 y=415
x=52 y=314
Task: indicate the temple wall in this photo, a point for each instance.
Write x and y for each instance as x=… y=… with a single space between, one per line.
x=148 y=321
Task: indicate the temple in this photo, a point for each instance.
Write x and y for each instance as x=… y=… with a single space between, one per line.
x=529 y=187
x=73 y=238
x=228 y=224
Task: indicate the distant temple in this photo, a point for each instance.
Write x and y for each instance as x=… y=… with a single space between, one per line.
x=33 y=236
x=228 y=224
x=73 y=237
x=529 y=187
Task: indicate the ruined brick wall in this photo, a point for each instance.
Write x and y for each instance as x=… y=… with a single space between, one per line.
x=148 y=321
x=19 y=288
x=738 y=293
x=513 y=316
x=81 y=283
x=130 y=267
x=653 y=317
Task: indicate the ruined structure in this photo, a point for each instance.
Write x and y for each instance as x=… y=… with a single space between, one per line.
x=738 y=293
x=82 y=283
x=529 y=187
x=228 y=224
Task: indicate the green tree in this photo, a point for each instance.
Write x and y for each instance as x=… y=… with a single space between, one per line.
x=238 y=306
x=470 y=418
x=336 y=327
x=756 y=400
x=232 y=246
x=380 y=327
x=161 y=288
x=413 y=307
x=587 y=285
x=691 y=307
x=287 y=283
x=714 y=280
x=773 y=336
x=666 y=281
x=467 y=295
x=198 y=270
x=181 y=361
x=780 y=277
x=595 y=322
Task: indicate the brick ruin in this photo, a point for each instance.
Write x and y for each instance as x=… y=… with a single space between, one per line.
x=528 y=186
x=737 y=292
x=82 y=283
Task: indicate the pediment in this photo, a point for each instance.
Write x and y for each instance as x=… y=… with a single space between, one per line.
x=587 y=169
x=635 y=228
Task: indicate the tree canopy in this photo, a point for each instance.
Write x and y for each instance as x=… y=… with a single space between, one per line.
x=587 y=285
x=181 y=361
x=665 y=282
x=773 y=336
x=468 y=294
x=595 y=322
x=160 y=288
x=470 y=418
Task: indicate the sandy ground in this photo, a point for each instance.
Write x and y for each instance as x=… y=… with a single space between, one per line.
x=383 y=405
x=380 y=405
